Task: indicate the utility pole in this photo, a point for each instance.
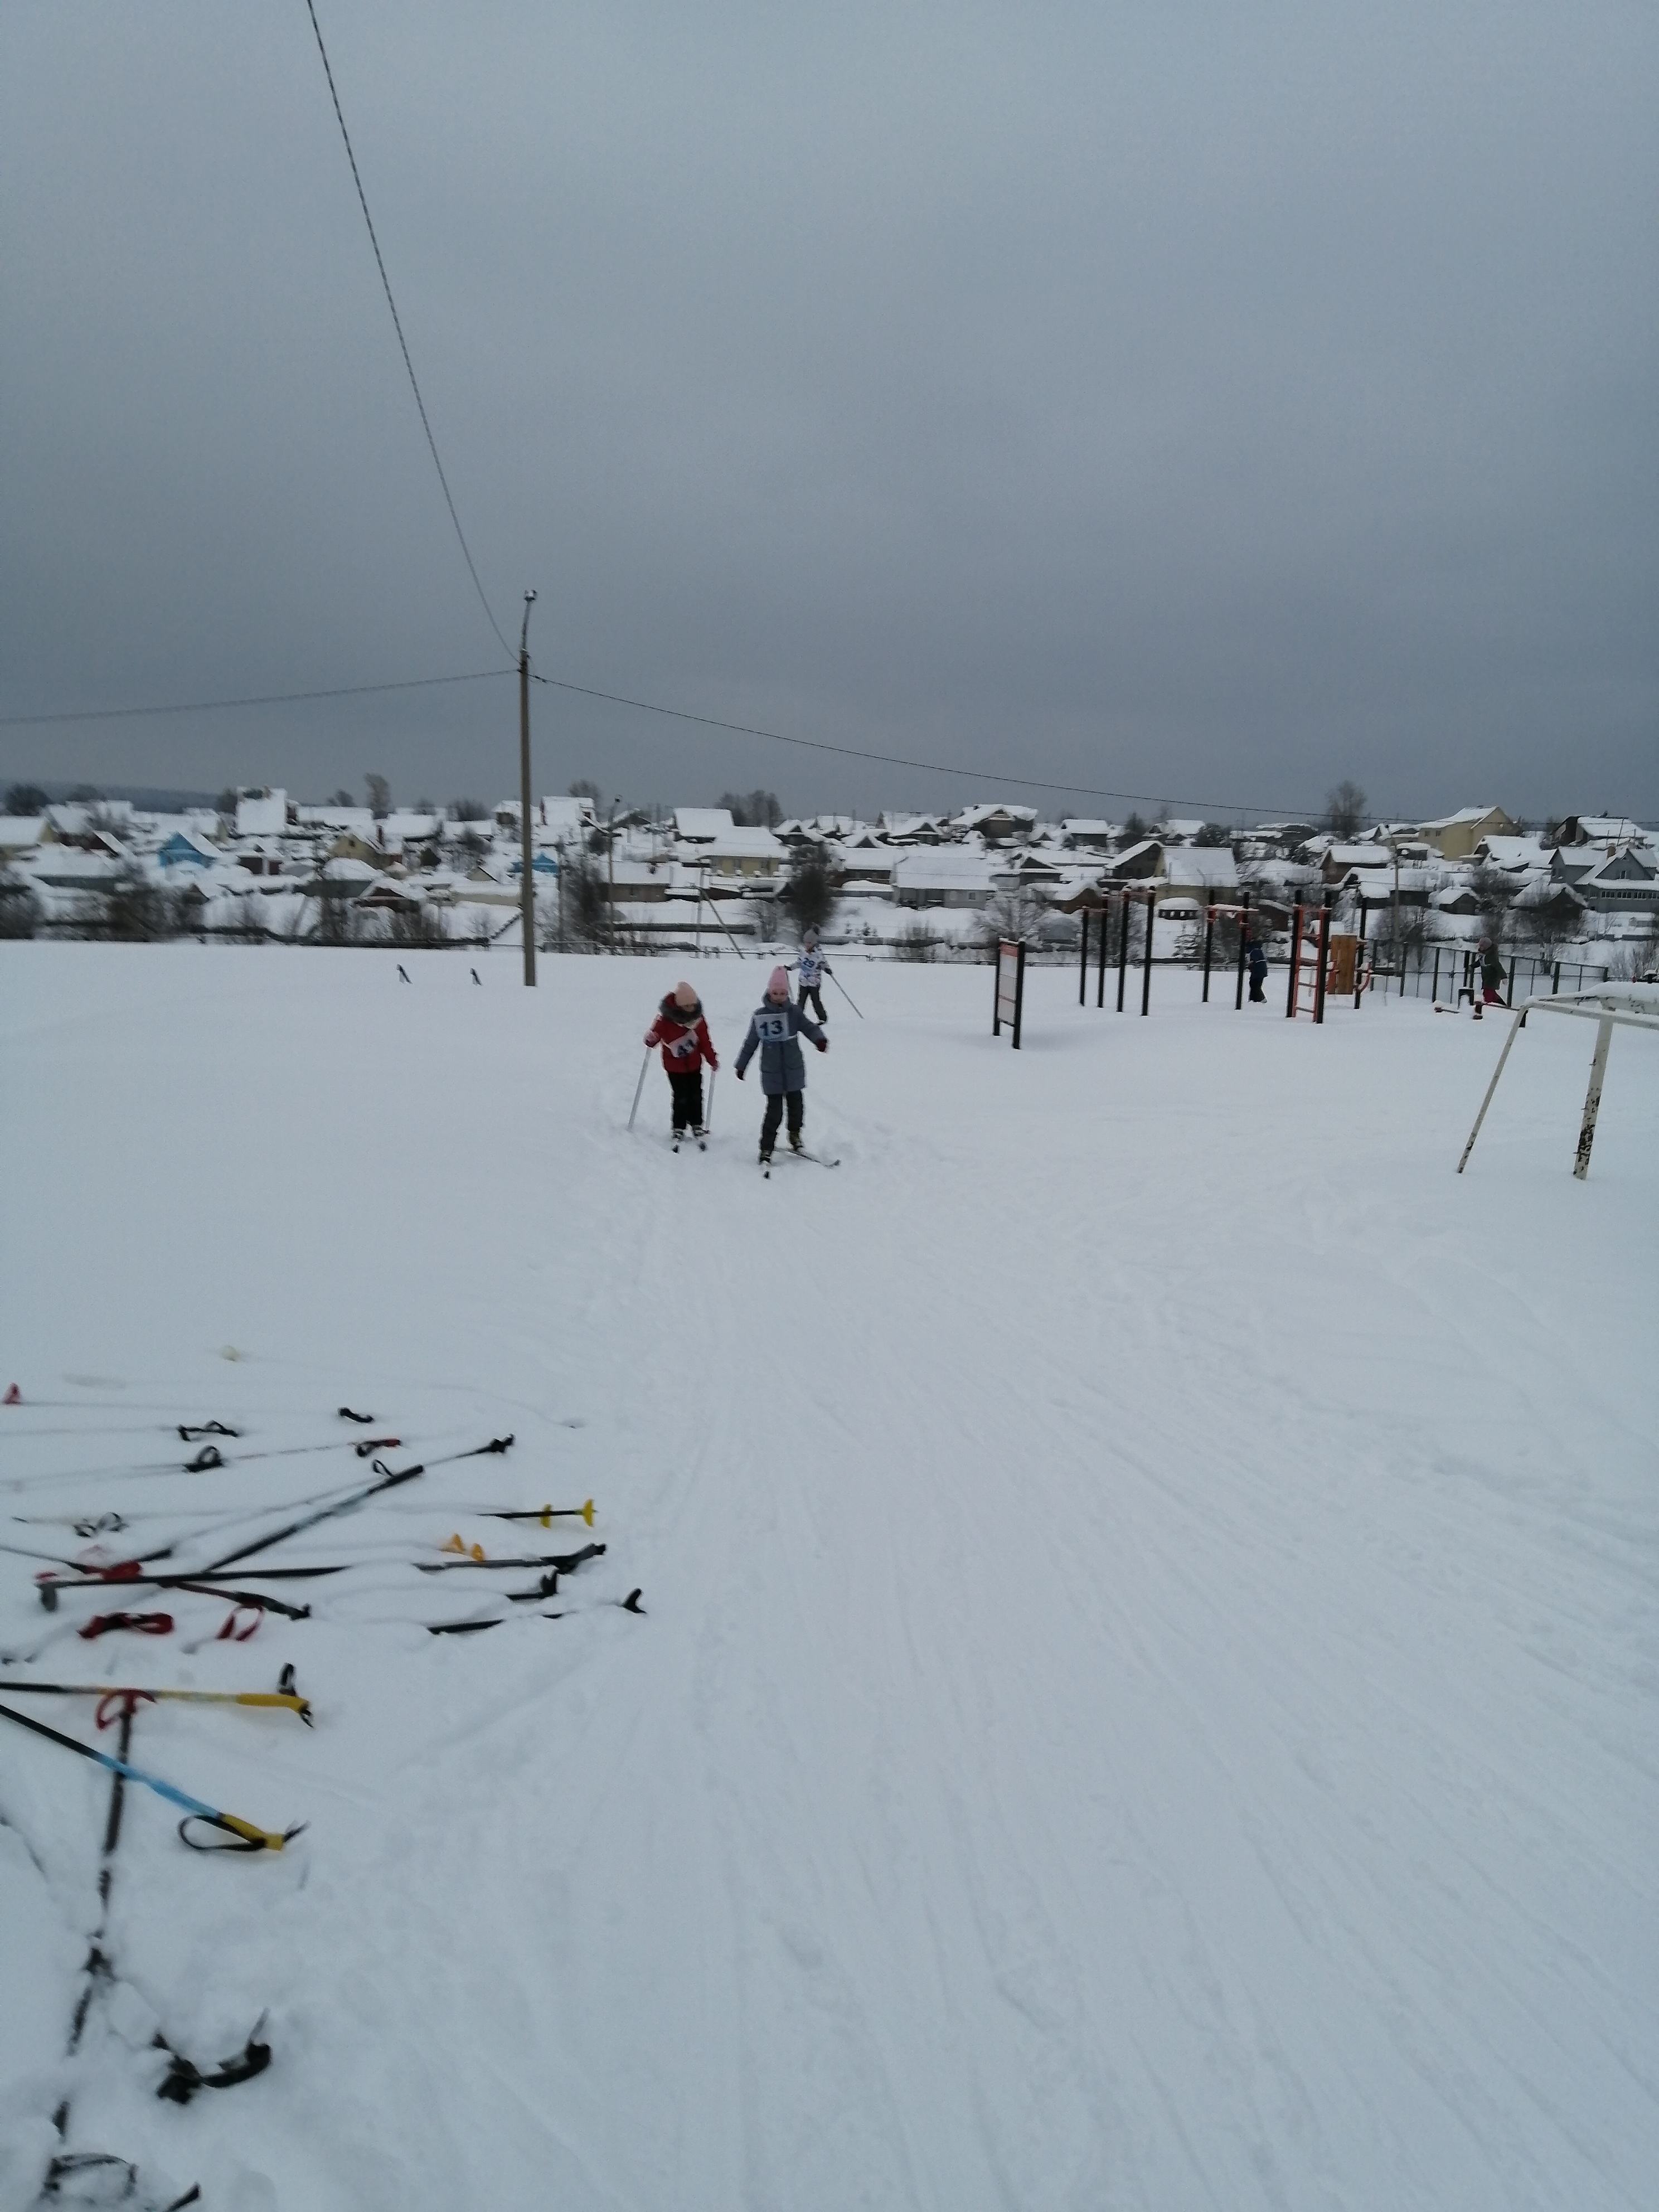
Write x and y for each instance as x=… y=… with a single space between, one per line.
x=611 y=870
x=527 y=886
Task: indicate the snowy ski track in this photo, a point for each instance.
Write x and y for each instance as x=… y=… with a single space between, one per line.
x=1147 y=1691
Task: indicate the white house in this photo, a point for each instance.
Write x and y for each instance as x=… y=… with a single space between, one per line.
x=261 y=812
x=943 y=877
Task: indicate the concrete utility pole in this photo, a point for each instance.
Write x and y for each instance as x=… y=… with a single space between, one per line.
x=527 y=886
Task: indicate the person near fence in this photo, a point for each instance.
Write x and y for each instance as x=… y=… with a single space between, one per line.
x=811 y=969
x=687 y=1047
x=772 y=1029
x=1492 y=976
x=1256 y=954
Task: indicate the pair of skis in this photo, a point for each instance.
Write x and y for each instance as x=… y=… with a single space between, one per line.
x=816 y=1159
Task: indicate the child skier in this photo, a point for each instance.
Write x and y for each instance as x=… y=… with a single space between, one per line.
x=811 y=969
x=772 y=1029
x=683 y=1033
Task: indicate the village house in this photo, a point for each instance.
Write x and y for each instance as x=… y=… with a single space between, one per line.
x=1455 y=836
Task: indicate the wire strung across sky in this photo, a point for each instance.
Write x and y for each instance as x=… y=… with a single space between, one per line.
x=672 y=714
x=396 y=324
x=256 y=699
x=929 y=767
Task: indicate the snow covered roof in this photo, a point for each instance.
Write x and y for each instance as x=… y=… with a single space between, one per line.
x=19 y=831
x=1205 y=866
x=733 y=844
x=564 y=816
x=360 y=818
x=943 y=867
x=261 y=813
x=1513 y=852
x=699 y=825
x=975 y=817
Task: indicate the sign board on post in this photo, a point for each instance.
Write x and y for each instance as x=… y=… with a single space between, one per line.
x=1011 y=989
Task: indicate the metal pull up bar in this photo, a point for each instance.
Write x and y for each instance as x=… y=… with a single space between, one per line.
x=1632 y=1006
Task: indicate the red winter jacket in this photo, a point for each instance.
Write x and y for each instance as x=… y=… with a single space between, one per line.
x=685 y=1043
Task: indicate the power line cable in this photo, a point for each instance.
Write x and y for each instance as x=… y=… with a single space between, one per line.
x=397 y=324
x=930 y=767
x=260 y=699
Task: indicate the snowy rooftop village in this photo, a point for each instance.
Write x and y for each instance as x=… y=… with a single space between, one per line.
x=829 y=1066
x=265 y=868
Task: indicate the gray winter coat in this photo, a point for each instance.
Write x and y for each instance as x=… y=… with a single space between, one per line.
x=772 y=1032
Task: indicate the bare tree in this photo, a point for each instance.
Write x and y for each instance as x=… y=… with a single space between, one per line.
x=20 y=908
x=581 y=921
x=758 y=810
x=379 y=795
x=1495 y=890
x=1019 y=912
x=1345 y=809
x=468 y=810
x=132 y=909
x=26 y=799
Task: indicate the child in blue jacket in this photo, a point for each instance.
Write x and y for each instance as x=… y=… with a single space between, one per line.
x=772 y=1029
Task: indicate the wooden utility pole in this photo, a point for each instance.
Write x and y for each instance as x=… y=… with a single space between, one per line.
x=528 y=885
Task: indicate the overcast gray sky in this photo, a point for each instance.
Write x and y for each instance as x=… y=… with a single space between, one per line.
x=1200 y=401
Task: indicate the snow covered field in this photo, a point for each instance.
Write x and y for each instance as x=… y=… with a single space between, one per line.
x=1148 y=1692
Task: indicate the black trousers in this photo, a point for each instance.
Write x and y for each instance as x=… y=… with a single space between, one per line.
x=1258 y=996
x=688 y=1099
x=812 y=994
x=774 y=1115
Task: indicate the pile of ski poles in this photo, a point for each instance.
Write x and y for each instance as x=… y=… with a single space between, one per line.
x=216 y=1574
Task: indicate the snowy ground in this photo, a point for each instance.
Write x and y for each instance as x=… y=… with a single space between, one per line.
x=1148 y=1694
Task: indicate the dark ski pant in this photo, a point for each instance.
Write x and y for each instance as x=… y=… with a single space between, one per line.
x=688 y=1099
x=774 y=1115
x=1258 y=996
x=812 y=995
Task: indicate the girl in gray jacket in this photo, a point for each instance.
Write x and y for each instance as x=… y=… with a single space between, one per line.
x=773 y=1029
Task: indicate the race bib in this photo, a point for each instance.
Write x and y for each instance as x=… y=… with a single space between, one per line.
x=772 y=1029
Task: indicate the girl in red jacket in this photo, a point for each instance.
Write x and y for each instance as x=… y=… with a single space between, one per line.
x=682 y=1032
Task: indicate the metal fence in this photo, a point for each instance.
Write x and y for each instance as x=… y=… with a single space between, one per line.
x=1447 y=973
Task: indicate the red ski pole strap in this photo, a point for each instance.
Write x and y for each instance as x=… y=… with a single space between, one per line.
x=140 y=1624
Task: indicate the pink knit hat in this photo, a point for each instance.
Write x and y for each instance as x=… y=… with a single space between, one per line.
x=684 y=995
x=779 y=986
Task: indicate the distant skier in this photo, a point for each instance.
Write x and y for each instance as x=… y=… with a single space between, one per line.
x=1256 y=953
x=811 y=969
x=772 y=1029
x=1492 y=976
x=683 y=1033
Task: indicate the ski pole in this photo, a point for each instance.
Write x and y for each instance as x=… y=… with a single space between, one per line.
x=251 y=1839
x=563 y=1563
x=286 y=1700
x=545 y=1513
x=708 y=1118
x=638 y=1086
x=845 y=992
x=471 y=1627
